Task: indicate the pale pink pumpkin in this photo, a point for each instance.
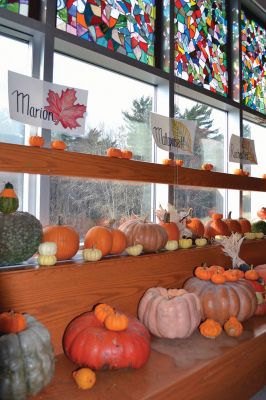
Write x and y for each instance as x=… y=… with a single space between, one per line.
x=170 y=313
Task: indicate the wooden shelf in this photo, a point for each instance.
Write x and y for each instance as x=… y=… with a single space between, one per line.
x=195 y=368
x=26 y=159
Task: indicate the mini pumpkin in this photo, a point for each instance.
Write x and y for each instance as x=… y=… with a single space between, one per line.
x=179 y=163
x=46 y=260
x=170 y=227
x=210 y=328
x=8 y=199
x=251 y=274
x=92 y=254
x=201 y=242
x=36 y=141
x=216 y=226
x=196 y=227
x=168 y=161
x=114 y=152
x=85 y=378
x=207 y=167
x=259 y=235
x=127 y=154
x=134 y=250
x=232 y=275
x=47 y=249
x=169 y=313
x=245 y=225
x=171 y=245
x=218 y=278
x=203 y=272
x=185 y=243
x=102 y=311
x=12 y=322
x=58 y=145
x=116 y=321
x=250 y=235
x=233 y=327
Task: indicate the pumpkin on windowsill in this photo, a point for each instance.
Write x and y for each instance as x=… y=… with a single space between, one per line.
x=27 y=360
x=89 y=343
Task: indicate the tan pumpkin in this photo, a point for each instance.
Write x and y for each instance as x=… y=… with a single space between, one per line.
x=216 y=226
x=172 y=313
x=220 y=302
x=151 y=236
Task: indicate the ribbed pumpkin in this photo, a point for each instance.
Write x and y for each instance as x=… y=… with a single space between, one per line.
x=65 y=237
x=172 y=313
x=216 y=226
x=151 y=236
x=27 y=361
x=245 y=225
x=220 y=302
x=20 y=232
x=196 y=227
x=88 y=343
x=233 y=224
x=170 y=227
x=100 y=238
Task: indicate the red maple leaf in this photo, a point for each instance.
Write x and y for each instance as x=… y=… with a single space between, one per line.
x=63 y=108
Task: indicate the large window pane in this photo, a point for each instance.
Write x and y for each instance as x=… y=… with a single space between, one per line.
x=126 y=27
x=209 y=135
x=200 y=44
x=19 y=7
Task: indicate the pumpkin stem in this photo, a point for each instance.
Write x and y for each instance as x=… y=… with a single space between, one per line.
x=60 y=220
x=9 y=185
x=229 y=215
x=166 y=217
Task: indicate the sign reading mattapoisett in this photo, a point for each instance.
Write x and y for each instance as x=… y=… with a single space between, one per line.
x=172 y=134
x=242 y=150
x=47 y=105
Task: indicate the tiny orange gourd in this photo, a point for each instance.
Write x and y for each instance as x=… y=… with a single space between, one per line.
x=233 y=327
x=207 y=167
x=218 y=278
x=216 y=268
x=114 y=152
x=116 y=322
x=12 y=322
x=251 y=274
x=179 y=163
x=203 y=273
x=127 y=154
x=168 y=161
x=102 y=311
x=232 y=275
x=58 y=145
x=36 y=141
x=210 y=328
x=85 y=378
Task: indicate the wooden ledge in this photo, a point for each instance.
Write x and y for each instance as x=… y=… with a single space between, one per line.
x=44 y=161
x=188 y=369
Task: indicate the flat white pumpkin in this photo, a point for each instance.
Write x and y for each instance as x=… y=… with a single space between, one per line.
x=47 y=249
x=92 y=254
x=185 y=243
x=201 y=242
x=134 y=250
x=171 y=245
x=46 y=260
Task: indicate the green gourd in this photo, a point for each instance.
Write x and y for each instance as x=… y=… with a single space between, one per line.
x=259 y=226
x=20 y=232
x=27 y=361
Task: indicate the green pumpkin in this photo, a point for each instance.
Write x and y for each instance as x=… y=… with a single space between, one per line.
x=8 y=199
x=27 y=361
x=258 y=226
x=20 y=236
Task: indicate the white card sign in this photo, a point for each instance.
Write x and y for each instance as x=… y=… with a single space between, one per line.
x=47 y=105
x=242 y=150
x=172 y=134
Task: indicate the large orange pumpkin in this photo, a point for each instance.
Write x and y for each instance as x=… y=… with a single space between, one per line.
x=151 y=236
x=245 y=225
x=119 y=241
x=220 y=302
x=196 y=227
x=66 y=239
x=170 y=227
x=216 y=226
x=233 y=224
x=100 y=238
x=172 y=313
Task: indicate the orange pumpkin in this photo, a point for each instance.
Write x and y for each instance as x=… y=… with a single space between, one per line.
x=232 y=275
x=119 y=241
x=262 y=213
x=216 y=226
x=36 y=141
x=218 y=277
x=102 y=310
x=233 y=327
x=65 y=237
x=116 y=322
x=12 y=322
x=100 y=238
x=58 y=145
x=196 y=227
x=207 y=166
x=168 y=161
x=179 y=163
x=216 y=268
x=251 y=274
x=210 y=328
x=203 y=273
x=245 y=225
x=170 y=227
x=238 y=171
x=114 y=152
x=233 y=224
x=127 y=154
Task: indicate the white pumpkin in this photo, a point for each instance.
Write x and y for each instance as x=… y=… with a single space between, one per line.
x=250 y=235
x=185 y=243
x=171 y=245
x=92 y=254
x=46 y=260
x=47 y=249
x=259 y=235
x=201 y=242
x=134 y=250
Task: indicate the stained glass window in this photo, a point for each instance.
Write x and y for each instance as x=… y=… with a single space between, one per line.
x=19 y=7
x=253 y=64
x=124 y=26
x=166 y=35
x=200 y=43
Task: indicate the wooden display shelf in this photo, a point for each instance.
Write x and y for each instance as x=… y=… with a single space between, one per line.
x=195 y=368
x=26 y=159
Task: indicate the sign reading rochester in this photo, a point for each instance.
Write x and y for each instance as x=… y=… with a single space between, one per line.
x=172 y=134
x=47 y=105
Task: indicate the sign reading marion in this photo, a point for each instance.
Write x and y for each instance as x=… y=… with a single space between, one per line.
x=242 y=150
x=47 y=105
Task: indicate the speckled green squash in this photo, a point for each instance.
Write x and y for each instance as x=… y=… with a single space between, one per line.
x=20 y=236
x=27 y=361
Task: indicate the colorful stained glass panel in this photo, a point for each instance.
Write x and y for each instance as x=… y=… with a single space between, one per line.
x=166 y=35
x=200 y=43
x=125 y=27
x=253 y=64
x=19 y=7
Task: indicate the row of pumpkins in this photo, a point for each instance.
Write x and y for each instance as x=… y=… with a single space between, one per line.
x=21 y=234
x=106 y=338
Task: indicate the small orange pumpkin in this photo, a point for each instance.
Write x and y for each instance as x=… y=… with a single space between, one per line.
x=245 y=225
x=116 y=322
x=215 y=226
x=58 y=145
x=251 y=274
x=262 y=213
x=179 y=163
x=127 y=154
x=85 y=378
x=207 y=167
x=216 y=268
x=100 y=238
x=12 y=322
x=233 y=327
x=196 y=227
x=168 y=161
x=203 y=273
x=36 y=141
x=114 y=152
x=238 y=171
x=102 y=310
x=232 y=275
x=218 y=278
x=170 y=227
x=233 y=224
x=210 y=328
